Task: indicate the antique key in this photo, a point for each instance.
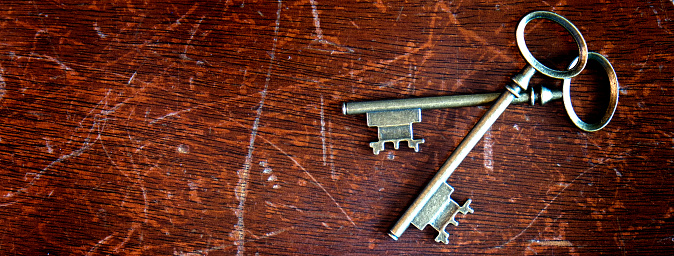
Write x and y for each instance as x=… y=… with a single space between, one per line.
x=394 y=118
x=434 y=206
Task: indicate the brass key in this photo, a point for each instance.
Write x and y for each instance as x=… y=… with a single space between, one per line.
x=394 y=118
x=427 y=202
x=434 y=206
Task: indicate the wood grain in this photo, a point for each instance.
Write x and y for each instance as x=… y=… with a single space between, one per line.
x=215 y=128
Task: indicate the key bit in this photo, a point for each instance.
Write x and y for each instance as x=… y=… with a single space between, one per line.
x=440 y=211
x=394 y=126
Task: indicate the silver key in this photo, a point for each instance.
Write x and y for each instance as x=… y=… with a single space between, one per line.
x=394 y=118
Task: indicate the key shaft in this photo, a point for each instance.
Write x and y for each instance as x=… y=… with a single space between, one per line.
x=467 y=144
x=542 y=95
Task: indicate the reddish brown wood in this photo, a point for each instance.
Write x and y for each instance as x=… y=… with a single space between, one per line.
x=189 y=128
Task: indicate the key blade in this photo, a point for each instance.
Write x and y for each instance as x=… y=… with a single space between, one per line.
x=437 y=102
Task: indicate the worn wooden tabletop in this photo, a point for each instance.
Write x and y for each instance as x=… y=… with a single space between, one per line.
x=215 y=128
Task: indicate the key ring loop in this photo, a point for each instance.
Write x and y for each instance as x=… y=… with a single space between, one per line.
x=613 y=100
x=574 y=70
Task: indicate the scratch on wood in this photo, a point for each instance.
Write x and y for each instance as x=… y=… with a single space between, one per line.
x=355 y=25
x=312 y=178
x=192 y=33
x=400 y=13
x=657 y=18
x=170 y=115
x=142 y=187
x=622 y=238
x=469 y=34
x=242 y=185
x=561 y=243
x=101 y=242
x=333 y=171
x=318 y=184
x=270 y=234
x=3 y=90
x=273 y=233
x=98 y=30
x=488 y=156
x=132 y=229
x=132 y=77
x=319 y=33
x=177 y=22
x=325 y=162
x=85 y=146
x=317 y=21
x=98 y=124
x=382 y=64
x=284 y=205
x=566 y=185
x=50 y=58
x=543 y=210
x=197 y=107
x=223 y=247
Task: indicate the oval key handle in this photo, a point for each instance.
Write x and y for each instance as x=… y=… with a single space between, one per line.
x=575 y=68
x=612 y=103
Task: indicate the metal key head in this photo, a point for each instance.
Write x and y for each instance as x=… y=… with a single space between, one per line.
x=394 y=126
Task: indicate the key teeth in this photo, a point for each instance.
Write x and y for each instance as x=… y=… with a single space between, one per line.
x=415 y=144
x=443 y=237
x=379 y=146
x=466 y=207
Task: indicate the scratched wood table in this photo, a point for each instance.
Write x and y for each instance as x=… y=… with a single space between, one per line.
x=215 y=128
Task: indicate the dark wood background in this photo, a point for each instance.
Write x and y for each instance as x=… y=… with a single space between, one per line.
x=215 y=128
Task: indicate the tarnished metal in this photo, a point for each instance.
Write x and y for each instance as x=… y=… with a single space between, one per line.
x=574 y=69
x=460 y=153
x=541 y=96
x=394 y=118
x=394 y=126
x=613 y=97
x=521 y=82
x=440 y=211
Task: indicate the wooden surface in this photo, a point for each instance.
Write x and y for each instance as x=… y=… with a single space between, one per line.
x=215 y=128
